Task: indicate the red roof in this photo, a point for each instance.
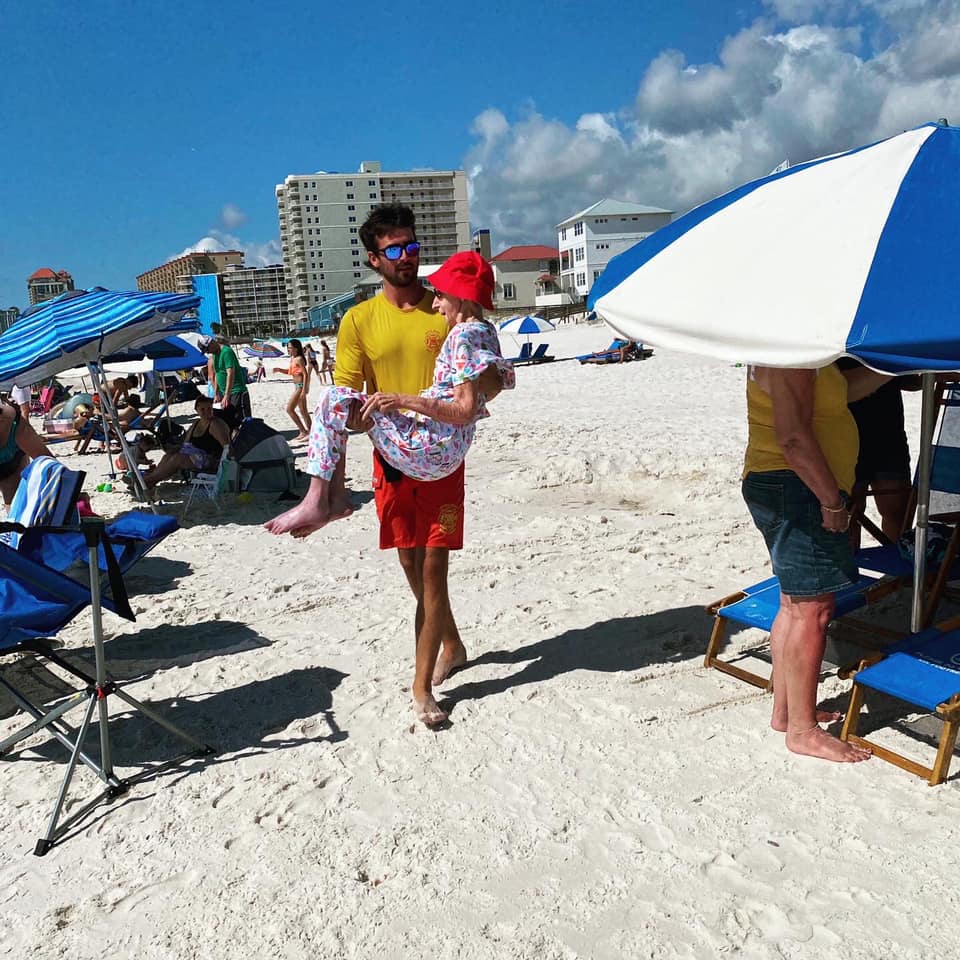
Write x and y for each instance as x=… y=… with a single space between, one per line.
x=544 y=277
x=536 y=252
x=45 y=273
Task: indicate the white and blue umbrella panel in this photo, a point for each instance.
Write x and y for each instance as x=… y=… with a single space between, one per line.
x=856 y=254
x=80 y=327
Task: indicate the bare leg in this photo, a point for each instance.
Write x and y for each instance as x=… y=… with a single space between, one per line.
x=778 y=719
x=892 y=505
x=292 y=406
x=800 y=656
x=433 y=610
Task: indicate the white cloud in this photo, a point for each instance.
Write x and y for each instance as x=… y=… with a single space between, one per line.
x=256 y=254
x=232 y=216
x=800 y=86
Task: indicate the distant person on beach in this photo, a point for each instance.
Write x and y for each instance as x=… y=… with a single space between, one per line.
x=21 y=396
x=620 y=351
x=390 y=344
x=19 y=444
x=431 y=440
x=326 y=362
x=798 y=471
x=311 y=356
x=230 y=382
x=299 y=372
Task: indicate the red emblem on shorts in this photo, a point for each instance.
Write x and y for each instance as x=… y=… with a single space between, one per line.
x=433 y=341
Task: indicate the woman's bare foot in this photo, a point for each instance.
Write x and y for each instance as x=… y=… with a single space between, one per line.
x=447 y=665
x=815 y=742
x=300 y=437
x=305 y=518
x=427 y=710
x=823 y=716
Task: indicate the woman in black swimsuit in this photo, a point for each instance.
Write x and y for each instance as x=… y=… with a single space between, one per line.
x=19 y=444
x=200 y=451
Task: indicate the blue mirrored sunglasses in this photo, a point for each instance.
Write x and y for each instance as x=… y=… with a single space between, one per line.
x=396 y=250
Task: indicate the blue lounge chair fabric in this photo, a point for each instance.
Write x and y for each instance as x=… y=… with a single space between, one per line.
x=924 y=671
x=36 y=602
x=525 y=351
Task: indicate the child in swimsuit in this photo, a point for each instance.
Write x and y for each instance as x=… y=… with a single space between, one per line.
x=431 y=439
x=299 y=372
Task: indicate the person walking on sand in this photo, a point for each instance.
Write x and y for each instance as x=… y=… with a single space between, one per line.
x=230 y=382
x=326 y=362
x=390 y=343
x=431 y=441
x=299 y=372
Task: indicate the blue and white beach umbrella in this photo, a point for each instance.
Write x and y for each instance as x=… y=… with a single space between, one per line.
x=80 y=327
x=527 y=325
x=856 y=253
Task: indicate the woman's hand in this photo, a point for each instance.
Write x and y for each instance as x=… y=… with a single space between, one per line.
x=836 y=517
x=384 y=403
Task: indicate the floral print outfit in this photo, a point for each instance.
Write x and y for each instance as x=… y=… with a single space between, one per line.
x=417 y=446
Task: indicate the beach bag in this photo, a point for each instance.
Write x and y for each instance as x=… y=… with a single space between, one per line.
x=938 y=540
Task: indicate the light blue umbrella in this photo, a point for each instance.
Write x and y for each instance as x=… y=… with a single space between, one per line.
x=81 y=326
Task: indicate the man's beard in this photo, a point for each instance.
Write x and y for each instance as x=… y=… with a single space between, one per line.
x=403 y=278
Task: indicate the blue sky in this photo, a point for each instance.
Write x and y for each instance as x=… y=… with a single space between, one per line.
x=132 y=132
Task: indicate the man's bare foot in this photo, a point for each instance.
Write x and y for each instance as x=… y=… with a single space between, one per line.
x=305 y=518
x=818 y=743
x=447 y=665
x=427 y=710
x=823 y=716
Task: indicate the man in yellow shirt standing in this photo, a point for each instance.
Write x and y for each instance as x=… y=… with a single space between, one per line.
x=390 y=344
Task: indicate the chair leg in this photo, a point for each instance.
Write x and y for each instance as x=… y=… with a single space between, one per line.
x=852 y=719
x=717 y=636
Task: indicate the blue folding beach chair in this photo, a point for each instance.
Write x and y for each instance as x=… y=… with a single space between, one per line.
x=922 y=670
x=36 y=602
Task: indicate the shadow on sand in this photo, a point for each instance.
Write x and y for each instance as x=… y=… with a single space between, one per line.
x=623 y=645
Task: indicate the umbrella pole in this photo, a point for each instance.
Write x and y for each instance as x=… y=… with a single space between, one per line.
x=106 y=403
x=927 y=418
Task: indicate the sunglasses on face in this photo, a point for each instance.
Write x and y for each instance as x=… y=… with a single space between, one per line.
x=396 y=250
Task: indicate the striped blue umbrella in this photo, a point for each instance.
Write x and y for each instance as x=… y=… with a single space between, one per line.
x=856 y=253
x=81 y=326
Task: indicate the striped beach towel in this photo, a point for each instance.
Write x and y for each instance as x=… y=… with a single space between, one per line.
x=46 y=496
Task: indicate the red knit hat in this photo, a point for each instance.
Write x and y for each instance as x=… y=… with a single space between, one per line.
x=466 y=276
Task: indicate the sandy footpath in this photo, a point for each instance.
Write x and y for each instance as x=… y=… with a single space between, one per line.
x=598 y=793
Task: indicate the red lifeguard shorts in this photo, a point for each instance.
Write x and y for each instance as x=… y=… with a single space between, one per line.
x=419 y=513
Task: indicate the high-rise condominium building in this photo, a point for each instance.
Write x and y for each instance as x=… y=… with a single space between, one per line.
x=320 y=216
x=255 y=301
x=46 y=284
x=174 y=275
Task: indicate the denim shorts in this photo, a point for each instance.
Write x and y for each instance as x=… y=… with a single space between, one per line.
x=808 y=560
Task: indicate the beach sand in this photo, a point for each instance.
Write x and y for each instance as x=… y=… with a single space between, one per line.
x=598 y=792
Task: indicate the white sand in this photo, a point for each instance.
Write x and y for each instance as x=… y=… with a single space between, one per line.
x=599 y=793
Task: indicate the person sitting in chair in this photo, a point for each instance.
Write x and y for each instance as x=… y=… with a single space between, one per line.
x=200 y=450
x=19 y=444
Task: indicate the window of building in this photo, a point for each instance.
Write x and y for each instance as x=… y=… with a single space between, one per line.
x=371 y=183
x=603 y=246
x=354 y=241
x=356 y=274
x=563 y=234
x=351 y=206
x=596 y=273
x=349 y=196
x=349 y=183
x=578 y=229
x=578 y=254
x=351 y=219
x=353 y=229
x=356 y=263
x=509 y=291
x=373 y=196
x=581 y=279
